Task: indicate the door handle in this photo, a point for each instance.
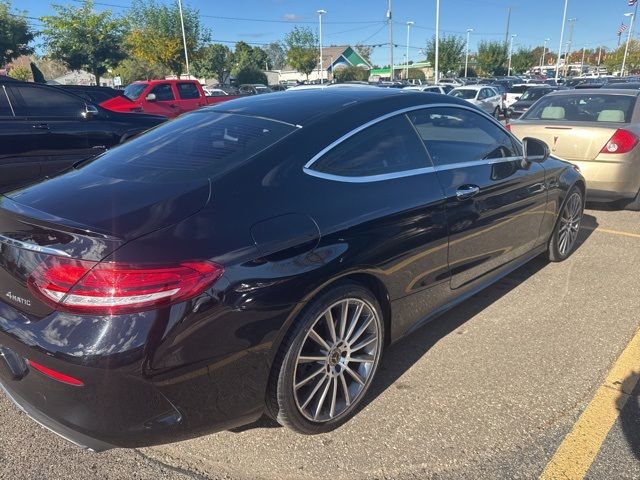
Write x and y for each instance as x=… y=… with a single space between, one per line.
x=467 y=191
x=41 y=126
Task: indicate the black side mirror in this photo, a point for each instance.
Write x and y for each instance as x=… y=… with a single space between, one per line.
x=90 y=111
x=535 y=150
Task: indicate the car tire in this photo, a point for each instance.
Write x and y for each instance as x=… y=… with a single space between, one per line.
x=565 y=234
x=316 y=388
x=634 y=205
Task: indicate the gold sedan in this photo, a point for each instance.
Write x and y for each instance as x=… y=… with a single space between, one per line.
x=596 y=129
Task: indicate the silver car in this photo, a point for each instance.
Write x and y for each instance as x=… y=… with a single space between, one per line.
x=484 y=97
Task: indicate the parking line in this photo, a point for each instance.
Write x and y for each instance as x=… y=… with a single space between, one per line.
x=580 y=447
x=613 y=232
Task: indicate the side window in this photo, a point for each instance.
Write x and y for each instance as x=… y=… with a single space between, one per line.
x=389 y=146
x=483 y=94
x=455 y=135
x=47 y=102
x=188 y=91
x=5 y=108
x=163 y=92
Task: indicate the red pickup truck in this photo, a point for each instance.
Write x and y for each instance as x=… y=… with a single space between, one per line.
x=163 y=97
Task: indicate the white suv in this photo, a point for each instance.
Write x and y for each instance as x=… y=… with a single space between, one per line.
x=482 y=96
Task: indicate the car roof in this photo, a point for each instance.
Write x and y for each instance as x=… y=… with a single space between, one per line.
x=304 y=106
x=599 y=91
x=472 y=87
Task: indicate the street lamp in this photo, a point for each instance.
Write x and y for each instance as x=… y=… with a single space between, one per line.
x=406 y=75
x=320 y=13
x=436 y=70
x=564 y=20
x=184 y=39
x=626 y=48
x=511 y=52
x=466 y=58
x=582 y=62
x=544 y=52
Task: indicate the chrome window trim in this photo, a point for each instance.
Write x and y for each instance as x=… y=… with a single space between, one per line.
x=32 y=247
x=6 y=94
x=405 y=173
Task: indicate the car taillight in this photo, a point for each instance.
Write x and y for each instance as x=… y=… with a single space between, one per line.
x=114 y=288
x=508 y=126
x=622 y=141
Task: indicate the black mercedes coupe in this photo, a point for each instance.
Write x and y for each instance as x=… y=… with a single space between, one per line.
x=258 y=256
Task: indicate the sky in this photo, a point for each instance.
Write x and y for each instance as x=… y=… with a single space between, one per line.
x=364 y=21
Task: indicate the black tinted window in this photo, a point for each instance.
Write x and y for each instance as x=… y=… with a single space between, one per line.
x=47 y=102
x=194 y=146
x=389 y=146
x=5 y=108
x=188 y=91
x=454 y=135
x=583 y=108
x=163 y=92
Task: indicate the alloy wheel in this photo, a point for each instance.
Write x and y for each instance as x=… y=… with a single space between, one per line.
x=569 y=224
x=337 y=359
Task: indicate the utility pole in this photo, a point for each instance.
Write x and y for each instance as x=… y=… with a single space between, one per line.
x=544 y=51
x=599 y=56
x=511 y=53
x=320 y=69
x=506 y=35
x=582 y=63
x=406 y=75
x=390 y=23
x=437 y=64
x=572 y=22
x=626 y=48
x=466 y=58
x=184 y=38
x=564 y=20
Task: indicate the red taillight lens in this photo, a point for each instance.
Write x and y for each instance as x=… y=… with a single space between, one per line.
x=115 y=288
x=508 y=126
x=622 y=141
x=61 y=377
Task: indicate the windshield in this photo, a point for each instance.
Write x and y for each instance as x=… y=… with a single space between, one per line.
x=464 y=93
x=534 y=94
x=583 y=108
x=200 y=144
x=133 y=91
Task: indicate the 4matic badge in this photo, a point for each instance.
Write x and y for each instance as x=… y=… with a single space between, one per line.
x=17 y=299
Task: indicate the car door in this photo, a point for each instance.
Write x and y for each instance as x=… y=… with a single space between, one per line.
x=484 y=97
x=19 y=157
x=165 y=102
x=57 y=122
x=189 y=96
x=495 y=201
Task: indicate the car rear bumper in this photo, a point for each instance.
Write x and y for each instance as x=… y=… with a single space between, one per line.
x=610 y=180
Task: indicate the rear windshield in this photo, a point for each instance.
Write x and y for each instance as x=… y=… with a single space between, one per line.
x=583 y=108
x=198 y=145
x=535 y=93
x=133 y=91
x=519 y=88
x=466 y=94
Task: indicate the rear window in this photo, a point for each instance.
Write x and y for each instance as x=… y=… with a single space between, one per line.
x=583 y=108
x=535 y=93
x=201 y=144
x=188 y=91
x=463 y=93
x=519 y=88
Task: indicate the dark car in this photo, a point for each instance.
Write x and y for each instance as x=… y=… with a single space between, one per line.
x=44 y=130
x=258 y=256
x=528 y=98
x=253 y=89
x=625 y=85
x=93 y=93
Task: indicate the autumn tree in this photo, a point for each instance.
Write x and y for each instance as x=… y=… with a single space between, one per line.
x=80 y=37
x=15 y=34
x=302 y=49
x=156 y=33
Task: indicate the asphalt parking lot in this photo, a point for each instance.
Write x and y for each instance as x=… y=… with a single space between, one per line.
x=522 y=377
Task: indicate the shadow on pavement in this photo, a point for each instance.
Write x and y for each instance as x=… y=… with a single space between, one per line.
x=630 y=414
x=399 y=357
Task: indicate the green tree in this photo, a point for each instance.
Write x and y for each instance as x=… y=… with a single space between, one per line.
x=492 y=55
x=450 y=52
x=15 y=34
x=350 y=74
x=276 y=56
x=214 y=60
x=245 y=55
x=20 y=73
x=251 y=75
x=156 y=33
x=83 y=38
x=613 y=62
x=416 y=74
x=131 y=69
x=522 y=60
x=302 y=49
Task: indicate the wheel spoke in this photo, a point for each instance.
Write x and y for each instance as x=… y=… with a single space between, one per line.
x=364 y=359
x=364 y=343
x=311 y=358
x=322 y=399
x=313 y=392
x=334 y=393
x=355 y=376
x=343 y=318
x=345 y=389
x=309 y=378
x=319 y=340
x=328 y=317
x=354 y=320
x=360 y=331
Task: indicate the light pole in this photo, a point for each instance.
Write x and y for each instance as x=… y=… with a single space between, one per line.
x=511 y=53
x=184 y=38
x=544 y=52
x=466 y=58
x=390 y=24
x=320 y=13
x=567 y=56
x=436 y=70
x=626 y=48
x=564 y=20
x=582 y=62
x=406 y=75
